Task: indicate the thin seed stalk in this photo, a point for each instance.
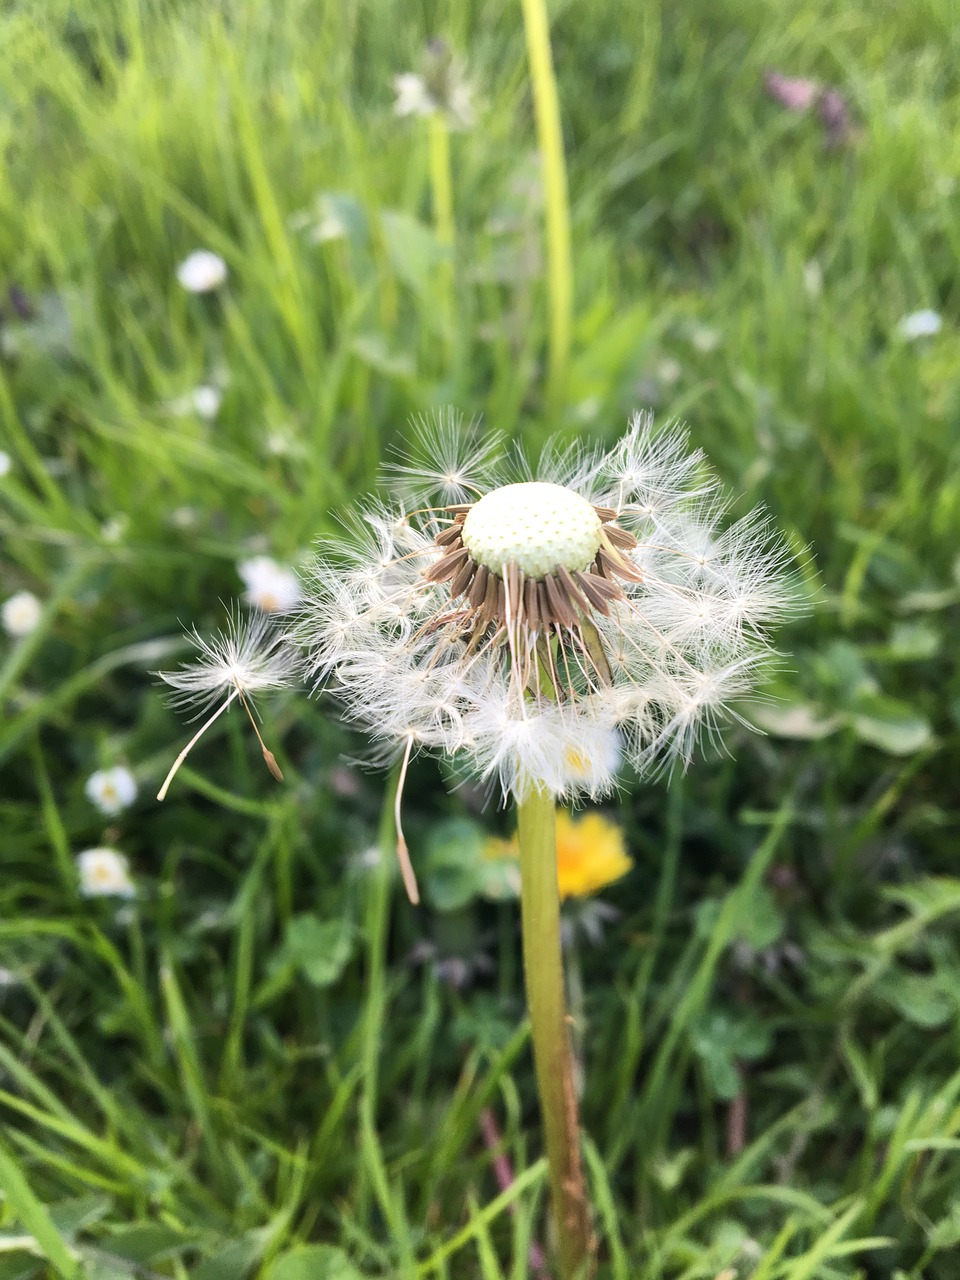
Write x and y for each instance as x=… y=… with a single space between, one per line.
x=543 y=972
x=441 y=183
x=546 y=103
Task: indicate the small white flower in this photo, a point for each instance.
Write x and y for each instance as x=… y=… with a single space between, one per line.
x=920 y=324
x=669 y=371
x=21 y=613
x=111 y=790
x=250 y=657
x=813 y=278
x=322 y=222
x=202 y=271
x=442 y=87
x=412 y=96
x=113 y=530
x=5 y=464
x=704 y=339
x=104 y=873
x=206 y=401
x=271 y=587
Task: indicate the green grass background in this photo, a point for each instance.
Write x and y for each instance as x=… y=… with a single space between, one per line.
x=247 y=1074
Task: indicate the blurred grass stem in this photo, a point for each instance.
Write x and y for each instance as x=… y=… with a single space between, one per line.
x=543 y=972
x=441 y=184
x=550 y=140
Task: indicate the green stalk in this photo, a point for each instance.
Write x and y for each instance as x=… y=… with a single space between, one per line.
x=550 y=138
x=376 y=926
x=543 y=971
x=441 y=183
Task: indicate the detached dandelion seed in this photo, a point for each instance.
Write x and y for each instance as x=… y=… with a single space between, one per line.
x=250 y=657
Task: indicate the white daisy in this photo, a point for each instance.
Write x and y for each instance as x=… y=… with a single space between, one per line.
x=111 y=790
x=202 y=271
x=250 y=657
x=533 y=626
x=206 y=401
x=442 y=87
x=271 y=587
x=104 y=873
x=21 y=613
x=920 y=324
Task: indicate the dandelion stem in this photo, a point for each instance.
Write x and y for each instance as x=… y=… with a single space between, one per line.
x=403 y=853
x=543 y=970
x=161 y=794
x=550 y=138
x=441 y=182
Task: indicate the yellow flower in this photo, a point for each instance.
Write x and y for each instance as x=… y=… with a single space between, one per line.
x=590 y=853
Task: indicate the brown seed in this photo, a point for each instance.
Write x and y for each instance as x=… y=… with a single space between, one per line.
x=447 y=565
x=606 y=513
x=463 y=578
x=488 y=610
x=543 y=607
x=574 y=594
x=530 y=604
x=479 y=587
x=560 y=608
x=598 y=601
x=449 y=536
x=614 y=565
x=621 y=538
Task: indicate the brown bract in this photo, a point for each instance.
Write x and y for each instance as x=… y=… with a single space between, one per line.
x=526 y=611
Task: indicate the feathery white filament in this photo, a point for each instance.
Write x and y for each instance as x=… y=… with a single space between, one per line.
x=394 y=628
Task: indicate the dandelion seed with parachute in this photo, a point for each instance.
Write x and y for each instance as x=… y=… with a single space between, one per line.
x=251 y=656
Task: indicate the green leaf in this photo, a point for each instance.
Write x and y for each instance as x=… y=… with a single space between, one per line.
x=412 y=248
x=320 y=949
x=313 y=1262
x=374 y=350
x=72 y=1216
x=920 y=998
x=911 y=641
x=34 y=1216
x=145 y=1241
x=889 y=724
x=234 y=1261
x=453 y=867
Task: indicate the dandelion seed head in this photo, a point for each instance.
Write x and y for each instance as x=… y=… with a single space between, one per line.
x=540 y=631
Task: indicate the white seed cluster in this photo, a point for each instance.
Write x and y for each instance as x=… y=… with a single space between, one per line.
x=536 y=526
x=422 y=665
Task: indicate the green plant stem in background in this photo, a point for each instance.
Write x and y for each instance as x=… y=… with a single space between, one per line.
x=550 y=138
x=376 y=928
x=543 y=970
x=441 y=182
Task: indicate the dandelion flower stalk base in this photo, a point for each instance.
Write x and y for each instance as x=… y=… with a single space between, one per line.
x=543 y=970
